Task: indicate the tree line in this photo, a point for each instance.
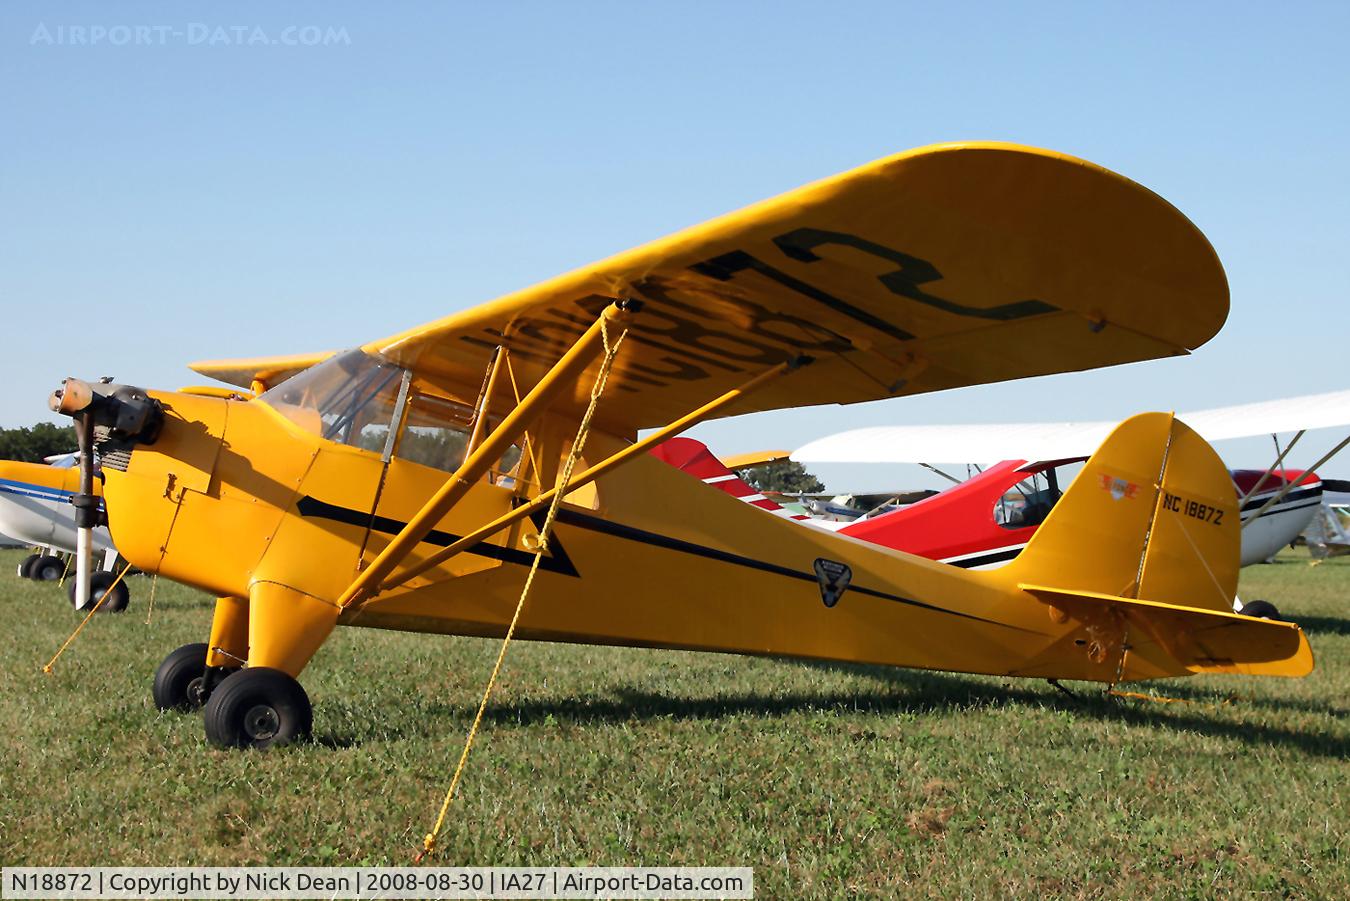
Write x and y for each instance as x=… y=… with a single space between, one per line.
x=32 y=444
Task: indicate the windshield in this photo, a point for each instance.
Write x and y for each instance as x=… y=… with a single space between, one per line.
x=348 y=398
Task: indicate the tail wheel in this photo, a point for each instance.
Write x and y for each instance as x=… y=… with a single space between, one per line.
x=47 y=569
x=99 y=582
x=1260 y=610
x=258 y=707
x=25 y=568
x=179 y=679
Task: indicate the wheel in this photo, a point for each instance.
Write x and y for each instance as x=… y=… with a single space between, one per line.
x=98 y=583
x=26 y=566
x=118 y=598
x=257 y=707
x=1260 y=610
x=180 y=679
x=47 y=569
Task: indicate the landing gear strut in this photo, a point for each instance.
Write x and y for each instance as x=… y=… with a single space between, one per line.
x=257 y=707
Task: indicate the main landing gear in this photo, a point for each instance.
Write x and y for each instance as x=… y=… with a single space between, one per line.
x=183 y=681
x=50 y=568
x=42 y=568
x=255 y=707
x=117 y=599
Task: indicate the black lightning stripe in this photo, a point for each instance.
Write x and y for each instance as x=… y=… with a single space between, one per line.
x=557 y=560
x=560 y=563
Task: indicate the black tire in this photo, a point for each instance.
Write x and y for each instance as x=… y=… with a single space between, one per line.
x=1260 y=610
x=25 y=568
x=118 y=598
x=179 y=679
x=258 y=707
x=98 y=583
x=47 y=569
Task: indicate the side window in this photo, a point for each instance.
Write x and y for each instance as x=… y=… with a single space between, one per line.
x=370 y=426
x=435 y=432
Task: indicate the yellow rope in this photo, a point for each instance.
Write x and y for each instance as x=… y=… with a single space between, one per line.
x=65 y=572
x=150 y=606
x=1164 y=699
x=429 y=841
x=92 y=610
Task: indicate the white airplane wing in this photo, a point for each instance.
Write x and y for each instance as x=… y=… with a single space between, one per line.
x=1061 y=440
x=1293 y=414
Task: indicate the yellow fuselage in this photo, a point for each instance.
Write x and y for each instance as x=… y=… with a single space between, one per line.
x=239 y=501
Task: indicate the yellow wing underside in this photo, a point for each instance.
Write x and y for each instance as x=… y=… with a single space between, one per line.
x=951 y=265
x=265 y=371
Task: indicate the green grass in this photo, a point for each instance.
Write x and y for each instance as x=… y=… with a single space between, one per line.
x=829 y=780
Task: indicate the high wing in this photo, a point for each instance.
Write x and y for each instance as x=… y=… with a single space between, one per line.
x=264 y=371
x=1062 y=440
x=951 y=265
x=755 y=458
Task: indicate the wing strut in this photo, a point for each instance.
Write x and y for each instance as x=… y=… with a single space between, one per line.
x=590 y=475
x=1265 y=476
x=1290 y=486
x=480 y=413
x=563 y=375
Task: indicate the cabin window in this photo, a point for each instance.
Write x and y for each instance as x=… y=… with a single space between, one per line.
x=436 y=434
x=348 y=398
x=351 y=399
x=1028 y=502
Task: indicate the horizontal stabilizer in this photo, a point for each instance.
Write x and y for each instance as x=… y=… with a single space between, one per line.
x=1201 y=640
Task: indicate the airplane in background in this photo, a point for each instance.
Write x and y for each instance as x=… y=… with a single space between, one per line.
x=820 y=507
x=986 y=520
x=1327 y=535
x=438 y=479
x=35 y=508
x=979 y=524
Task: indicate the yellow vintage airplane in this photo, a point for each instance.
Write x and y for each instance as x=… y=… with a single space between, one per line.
x=403 y=484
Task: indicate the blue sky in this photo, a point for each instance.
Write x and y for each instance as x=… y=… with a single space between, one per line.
x=193 y=196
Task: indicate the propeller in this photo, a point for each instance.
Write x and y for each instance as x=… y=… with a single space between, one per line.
x=130 y=417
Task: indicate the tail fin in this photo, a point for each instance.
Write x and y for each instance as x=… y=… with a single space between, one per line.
x=1143 y=549
x=692 y=456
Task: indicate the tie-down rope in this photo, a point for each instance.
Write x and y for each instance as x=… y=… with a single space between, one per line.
x=429 y=841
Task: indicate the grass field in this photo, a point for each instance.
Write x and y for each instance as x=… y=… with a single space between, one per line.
x=829 y=780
